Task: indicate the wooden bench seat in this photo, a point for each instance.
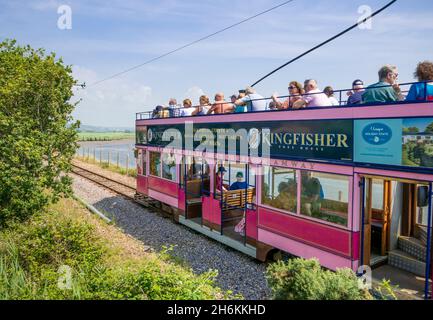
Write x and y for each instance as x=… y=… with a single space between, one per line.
x=238 y=198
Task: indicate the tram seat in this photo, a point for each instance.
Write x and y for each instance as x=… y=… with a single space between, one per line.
x=194 y=188
x=237 y=198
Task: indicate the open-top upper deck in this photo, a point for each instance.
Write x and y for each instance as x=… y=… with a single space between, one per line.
x=396 y=136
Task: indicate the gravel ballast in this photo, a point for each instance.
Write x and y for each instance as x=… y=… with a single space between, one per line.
x=237 y=272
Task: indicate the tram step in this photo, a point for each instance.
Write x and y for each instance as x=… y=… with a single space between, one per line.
x=422 y=233
x=407 y=262
x=414 y=247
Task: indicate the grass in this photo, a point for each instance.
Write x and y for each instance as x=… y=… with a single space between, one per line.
x=109 y=167
x=104 y=263
x=105 y=136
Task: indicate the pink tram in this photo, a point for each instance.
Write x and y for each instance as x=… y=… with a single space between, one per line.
x=350 y=186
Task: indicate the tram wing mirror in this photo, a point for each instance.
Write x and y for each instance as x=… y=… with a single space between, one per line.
x=423 y=196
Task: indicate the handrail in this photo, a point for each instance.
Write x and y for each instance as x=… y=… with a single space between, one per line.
x=343 y=103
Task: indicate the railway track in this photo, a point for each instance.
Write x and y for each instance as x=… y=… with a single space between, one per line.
x=117 y=187
x=120 y=188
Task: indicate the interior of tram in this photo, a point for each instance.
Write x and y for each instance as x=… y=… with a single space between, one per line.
x=395 y=231
x=195 y=177
x=235 y=188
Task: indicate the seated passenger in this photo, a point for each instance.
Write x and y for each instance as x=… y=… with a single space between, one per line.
x=203 y=108
x=424 y=73
x=173 y=108
x=355 y=96
x=219 y=181
x=329 y=91
x=254 y=101
x=240 y=184
x=187 y=108
x=314 y=97
x=157 y=112
x=295 y=90
x=312 y=192
x=239 y=108
x=221 y=106
x=386 y=90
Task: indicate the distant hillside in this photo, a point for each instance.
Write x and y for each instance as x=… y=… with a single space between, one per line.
x=86 y=128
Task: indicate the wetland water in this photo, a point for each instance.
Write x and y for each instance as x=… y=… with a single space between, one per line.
x=124 y=149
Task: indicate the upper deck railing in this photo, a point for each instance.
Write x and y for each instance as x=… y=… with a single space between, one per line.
x=343 y=103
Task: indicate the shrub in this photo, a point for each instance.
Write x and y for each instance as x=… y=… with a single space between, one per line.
x=32 y=253
x=299 y=279
x=37 y=132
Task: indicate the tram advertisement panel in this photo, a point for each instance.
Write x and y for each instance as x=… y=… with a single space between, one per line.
x=321 y=140
x=399 y=142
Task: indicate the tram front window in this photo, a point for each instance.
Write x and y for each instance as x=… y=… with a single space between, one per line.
x=325 y=197
x=280 y=189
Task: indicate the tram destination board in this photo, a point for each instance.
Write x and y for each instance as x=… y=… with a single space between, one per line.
x=325 y=140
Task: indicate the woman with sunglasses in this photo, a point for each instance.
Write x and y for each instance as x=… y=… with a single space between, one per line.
x=296 y=91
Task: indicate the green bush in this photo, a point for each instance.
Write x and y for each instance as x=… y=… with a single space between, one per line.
x=31 y=255
x=299 y=279
x=38 y=133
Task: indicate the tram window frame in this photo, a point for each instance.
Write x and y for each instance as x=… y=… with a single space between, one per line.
x=228 y=165
x=335 y=218
x=151 y=172
x=142 y=160
x=187 y=167
x=271 y=184
x=173 y=174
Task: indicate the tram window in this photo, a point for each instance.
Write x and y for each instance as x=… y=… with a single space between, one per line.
x=169 y=168
x=142 y=162
x=230 y=180
x=280 y=189
x=325 y=197
x=155 y=164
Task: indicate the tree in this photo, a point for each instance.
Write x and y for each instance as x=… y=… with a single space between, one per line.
x=413 y=130
x=37 y=133
x=429 y=128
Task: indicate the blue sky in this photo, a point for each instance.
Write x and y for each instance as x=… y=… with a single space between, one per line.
x=109 y=36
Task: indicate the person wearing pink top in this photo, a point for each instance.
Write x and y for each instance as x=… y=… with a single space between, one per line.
x=313 y=98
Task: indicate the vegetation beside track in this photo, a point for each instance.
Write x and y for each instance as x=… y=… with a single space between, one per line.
x=67 y=253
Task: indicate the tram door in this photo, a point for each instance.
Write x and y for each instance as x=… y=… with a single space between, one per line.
x=376 y=220
x=196 y=181
x=238 y=186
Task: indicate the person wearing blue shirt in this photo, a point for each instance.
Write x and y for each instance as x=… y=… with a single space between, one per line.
x=240 y=184
x=422 y=91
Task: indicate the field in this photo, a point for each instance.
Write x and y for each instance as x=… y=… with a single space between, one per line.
x=105 y=136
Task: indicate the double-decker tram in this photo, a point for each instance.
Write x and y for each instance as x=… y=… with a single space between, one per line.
x=350 y=186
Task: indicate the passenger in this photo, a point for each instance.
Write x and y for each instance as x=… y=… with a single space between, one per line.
x=240 y=108
x=221 y=106
x=173 y=108
x=254 y=101
x=329 y=91
x=219 y=181
x=188 y=109
x=355 y=96
x=386 y=90
x=296 y=91
x=312 y=191
x=204 y=107
x=424 y=74
x=240 y=184
x=314 y=97
x=157 y=112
